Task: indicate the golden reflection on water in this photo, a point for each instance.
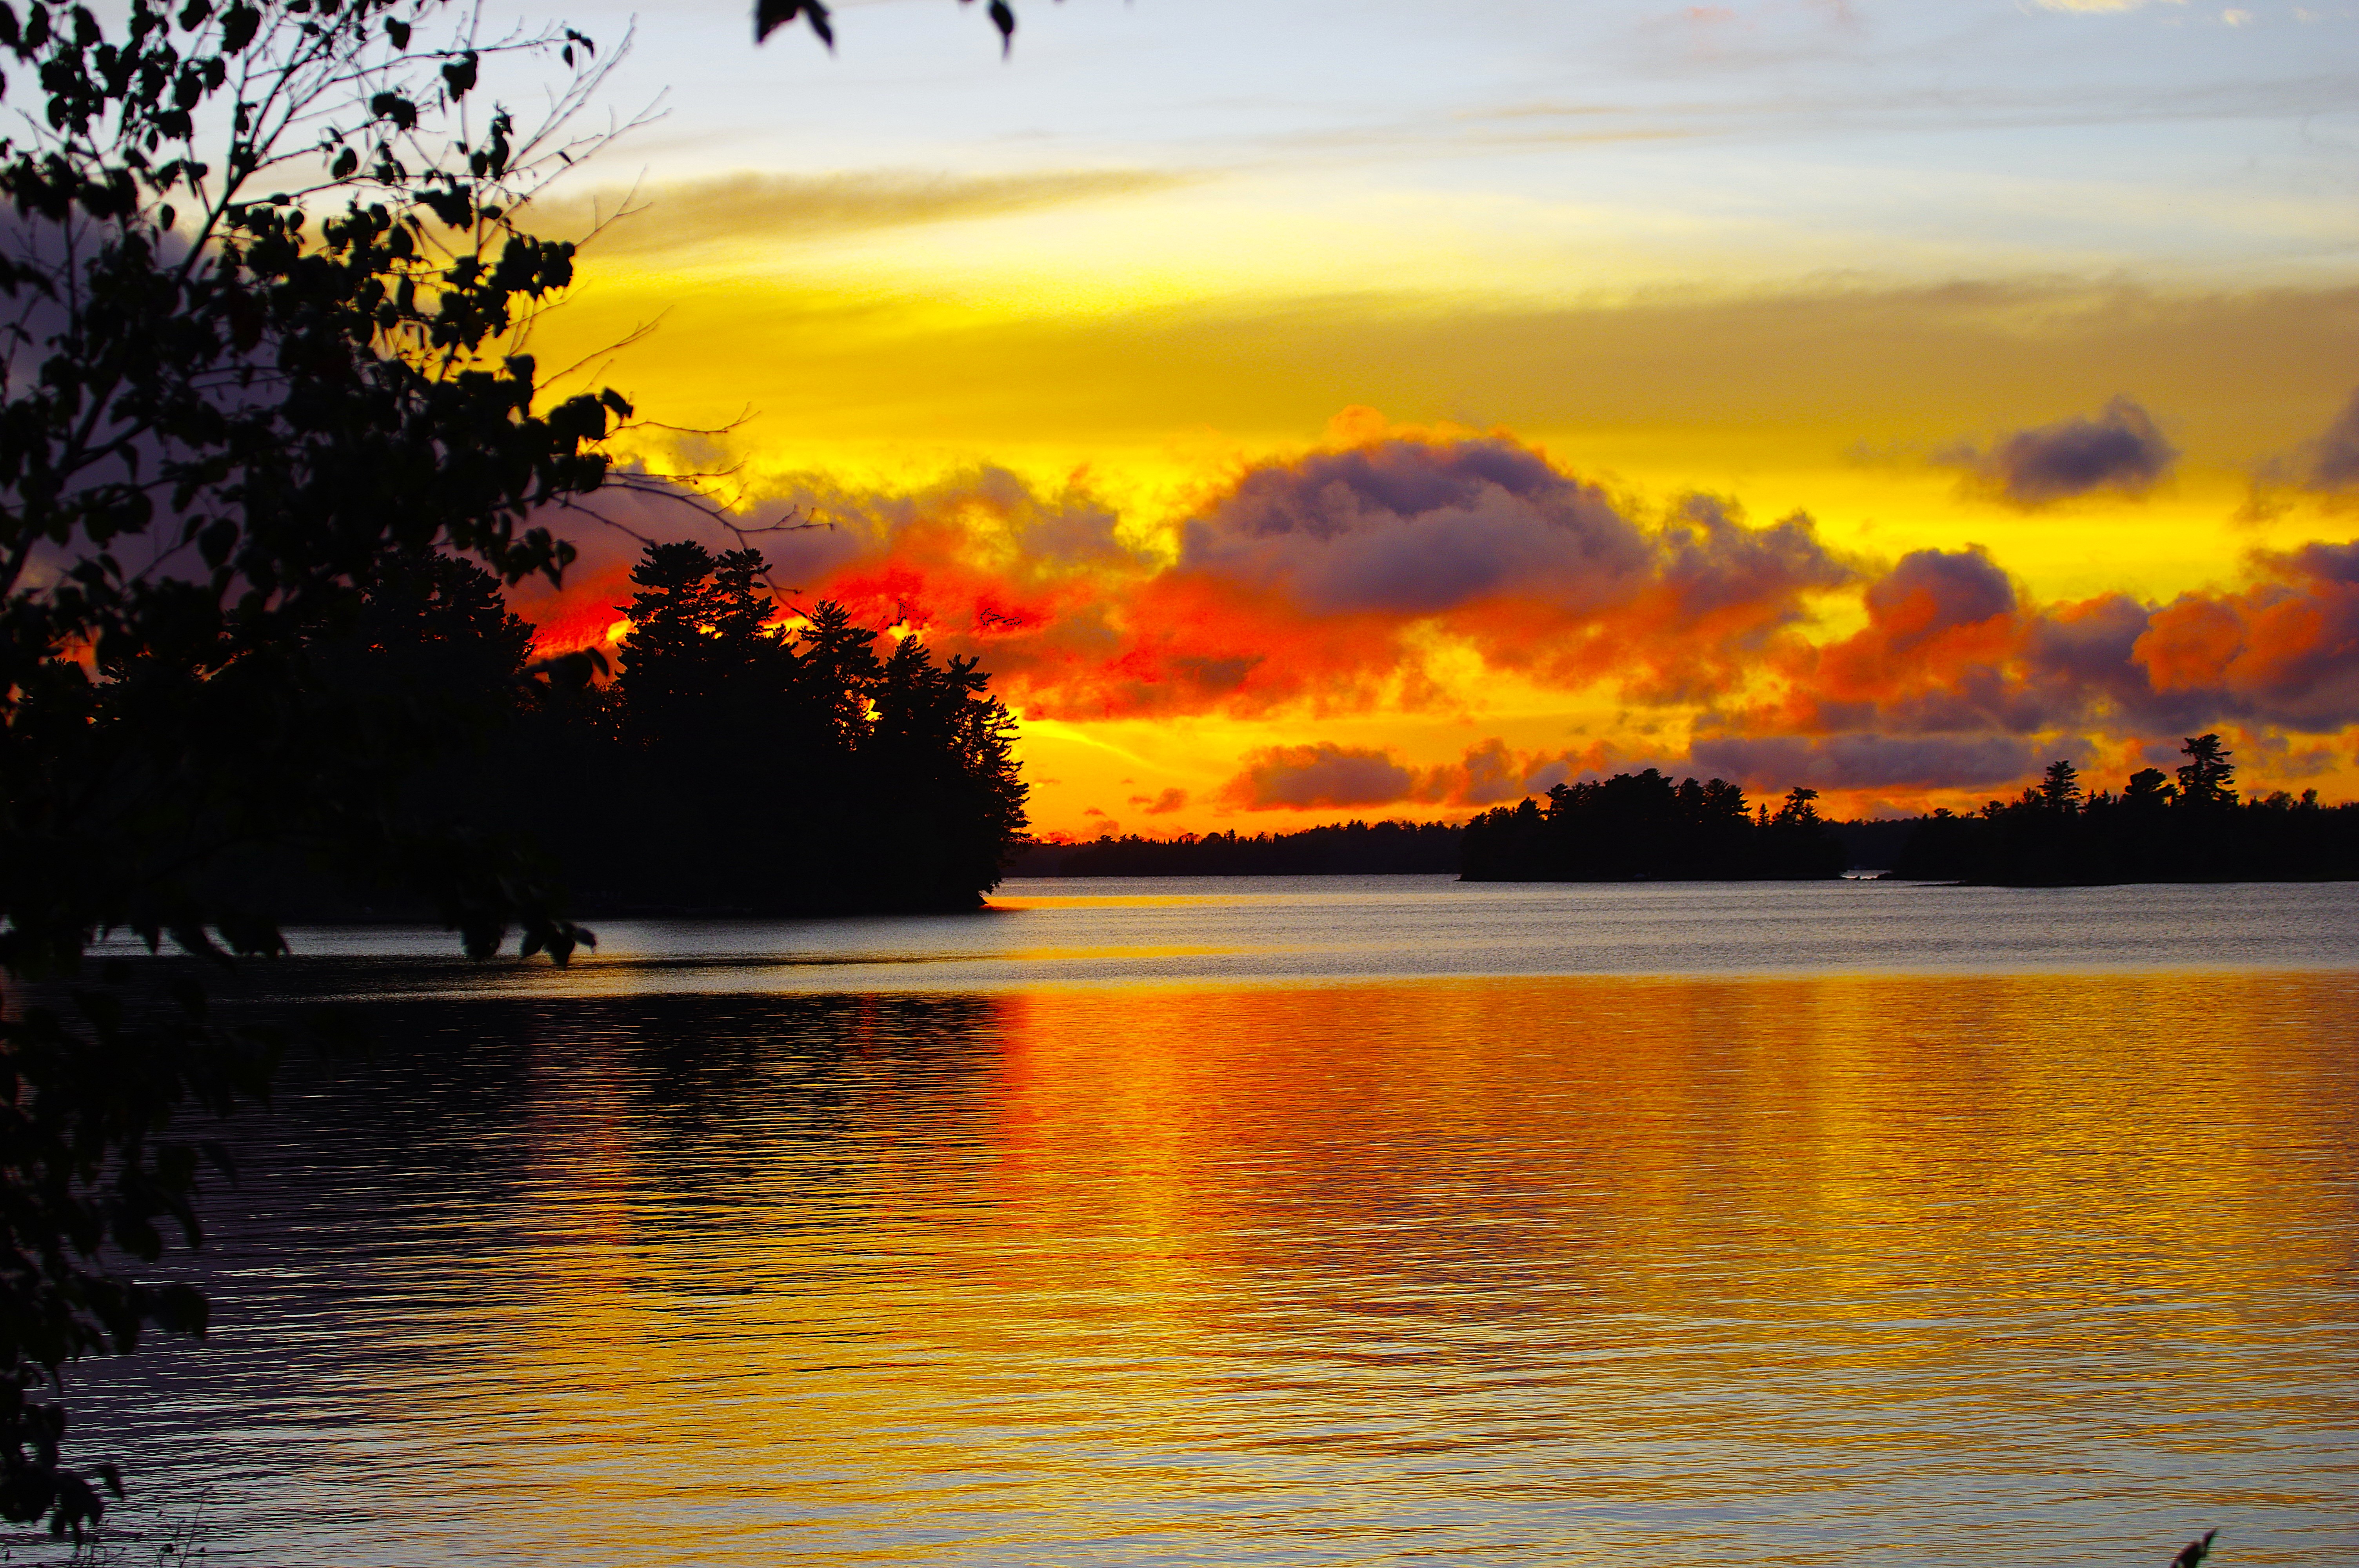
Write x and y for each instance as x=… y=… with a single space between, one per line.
x=1878 y=1267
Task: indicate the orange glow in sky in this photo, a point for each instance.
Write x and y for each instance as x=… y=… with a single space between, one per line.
x=1424 y=429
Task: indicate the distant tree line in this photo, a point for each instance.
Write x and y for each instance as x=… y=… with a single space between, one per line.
x=1635 y=827
x=1344 y=847
x=2157 y=829
x=736 y=762
x=1641 y=826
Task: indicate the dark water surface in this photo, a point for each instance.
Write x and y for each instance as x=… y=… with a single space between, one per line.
x=1347 y=1221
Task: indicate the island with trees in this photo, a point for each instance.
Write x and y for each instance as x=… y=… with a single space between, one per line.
x=2157 y=829
x=1642 y=827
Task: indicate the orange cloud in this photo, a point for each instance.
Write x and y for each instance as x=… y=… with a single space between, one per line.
x=1319 y=582
x=1397 y=572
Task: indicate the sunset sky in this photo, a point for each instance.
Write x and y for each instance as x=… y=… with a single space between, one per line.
x=1311 y=410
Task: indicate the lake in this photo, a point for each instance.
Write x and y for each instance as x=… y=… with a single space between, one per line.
x=1335 y=1221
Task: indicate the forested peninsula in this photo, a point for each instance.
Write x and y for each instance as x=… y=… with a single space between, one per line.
x=740 y=761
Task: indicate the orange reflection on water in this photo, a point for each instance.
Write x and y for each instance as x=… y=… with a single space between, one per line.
x=1815 y=1269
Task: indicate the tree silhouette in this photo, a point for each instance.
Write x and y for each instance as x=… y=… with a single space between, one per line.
x=236 y=427
x=769 y=761
x=263 y=387
x=1642 y=826
x=2060 y=787
x=1342 y=848
x=2152 y=831
x=2204 y=782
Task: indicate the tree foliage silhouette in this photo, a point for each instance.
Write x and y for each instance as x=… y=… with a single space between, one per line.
x=2194 y=830
x=2059 y=787
x=778 y=764
x=1642 y=826
x=2204 y=782
x=262 y=397
x=260 y=378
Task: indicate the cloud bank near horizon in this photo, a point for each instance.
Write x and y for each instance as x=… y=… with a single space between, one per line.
x=1410 y=572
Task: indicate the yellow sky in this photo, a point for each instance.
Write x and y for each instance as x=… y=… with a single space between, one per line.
x=1672 y=280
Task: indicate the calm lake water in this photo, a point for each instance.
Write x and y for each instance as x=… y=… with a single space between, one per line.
x=1375 y=1220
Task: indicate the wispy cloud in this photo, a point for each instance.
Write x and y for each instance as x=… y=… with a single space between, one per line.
x=779 y=209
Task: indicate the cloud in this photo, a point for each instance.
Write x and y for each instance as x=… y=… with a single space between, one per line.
x=1484 y=540
x=1951 y=648
x=1328 y=775
x=2120 y=451
x=1326 y=581
x=1409 y=571
x=1488 y=775
x=1323 y=775
x=1933 y=591
x=1416 y=527
x=1324 y=584
x=1777 y=762
x=775 y=209
x=1939 y=623
x=2329 y=464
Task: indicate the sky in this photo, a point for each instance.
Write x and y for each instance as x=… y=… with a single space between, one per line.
x=1310 y=411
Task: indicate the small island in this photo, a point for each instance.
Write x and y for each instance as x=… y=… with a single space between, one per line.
x=2155 y=829
x=1641 y=827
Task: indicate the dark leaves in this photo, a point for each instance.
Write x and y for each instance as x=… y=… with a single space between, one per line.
x=393 y=106
x=239 y=24
x=297 y=409
x=771 y=15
